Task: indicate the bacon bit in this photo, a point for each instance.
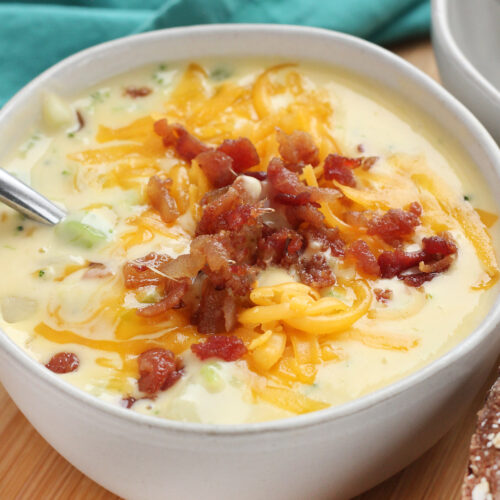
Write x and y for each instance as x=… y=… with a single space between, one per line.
x=165 y=131
x=435 y=257
x=96 y=270
x=340 y=167
x=297 y=148
x=159 y=369
x=295 y=200
x=327 y=238
x=214 y=251
x=242 y=152
x=261 y=176
x=393 y=263
x=128 y=402
x=63 y=362
x=218 y=167
x=187 y=265
x=141 y=272
x=240 y=216
x=417 y=279
x=227 y=209
x=136 y=92
x=382 y=295
x=210 y=317
x=366 y=262
x=438 y=266
x=415 y=208
x=288 y=182
x=161 y=199
x=280 y=246
x=439 y=245
x=173 y=293
x=394 y=226
x=80 y=119
x=186 y=145
x=305 y=213
x=225 y=347
x=315 y=271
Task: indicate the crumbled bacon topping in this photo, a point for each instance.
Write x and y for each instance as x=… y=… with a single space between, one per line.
x=297 y=149
x=225 y=347
x=173 y=291
x=340 y=168
x=285 y=181
x=415 y=268
x=161 y=199
x=382 y=295
x=136 y=92
x=242 y=152
x=275 y=219
x=159 y=369
x=315 y=271
x=97 y=270
x=218 y=167
x=63 y=362
x=366 y=262
x=395 y=225
x=186 y=145
x=282 y=246
x=128 y=402
x=144 y=271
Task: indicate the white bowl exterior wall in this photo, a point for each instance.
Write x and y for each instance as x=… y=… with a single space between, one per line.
x=457 y=72
x=335 y=453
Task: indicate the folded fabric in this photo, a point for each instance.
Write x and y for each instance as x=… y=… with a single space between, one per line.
x=35 y=35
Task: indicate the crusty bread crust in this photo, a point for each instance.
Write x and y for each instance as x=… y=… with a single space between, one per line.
x=482 y=478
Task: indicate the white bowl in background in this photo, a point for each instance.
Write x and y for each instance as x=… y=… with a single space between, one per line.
x=334 y=453
x=466 y=40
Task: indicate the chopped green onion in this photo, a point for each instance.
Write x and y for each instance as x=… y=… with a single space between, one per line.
x=210 y=377
x=220 y=73
x=80 y=234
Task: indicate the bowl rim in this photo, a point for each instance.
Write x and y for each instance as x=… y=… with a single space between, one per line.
x=468 y=344
x=442 y=29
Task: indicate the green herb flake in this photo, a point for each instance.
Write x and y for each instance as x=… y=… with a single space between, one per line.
x=29 y=144
x=220 y=73
x=65 y=172
x=467 y=197
x=41 y=273
x=99 y=95
x=20 y=228
x=71 y=135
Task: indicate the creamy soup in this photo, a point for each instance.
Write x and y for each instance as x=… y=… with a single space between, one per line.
x=244 y=241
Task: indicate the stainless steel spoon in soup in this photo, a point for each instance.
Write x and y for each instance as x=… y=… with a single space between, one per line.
x=19 y=196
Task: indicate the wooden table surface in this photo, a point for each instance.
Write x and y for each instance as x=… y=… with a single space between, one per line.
x=31 y=469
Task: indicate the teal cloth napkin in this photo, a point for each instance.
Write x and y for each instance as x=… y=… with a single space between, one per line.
x=34 y=35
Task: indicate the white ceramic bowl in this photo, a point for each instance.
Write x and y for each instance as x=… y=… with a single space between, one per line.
x=466 y=40
x=334 y=453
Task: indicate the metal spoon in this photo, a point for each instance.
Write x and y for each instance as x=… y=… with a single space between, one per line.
x=27 y=201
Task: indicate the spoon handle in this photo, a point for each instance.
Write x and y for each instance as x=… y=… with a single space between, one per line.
x=26 y=200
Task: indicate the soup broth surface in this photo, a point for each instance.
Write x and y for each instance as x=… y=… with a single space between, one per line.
x=62 y=289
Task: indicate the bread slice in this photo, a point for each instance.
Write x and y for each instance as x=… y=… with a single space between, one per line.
x=482 y=479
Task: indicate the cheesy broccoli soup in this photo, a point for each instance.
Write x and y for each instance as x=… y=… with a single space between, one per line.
x=244 y=241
